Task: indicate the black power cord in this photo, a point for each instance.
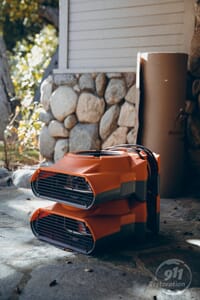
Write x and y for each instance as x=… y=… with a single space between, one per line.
x=152 y=163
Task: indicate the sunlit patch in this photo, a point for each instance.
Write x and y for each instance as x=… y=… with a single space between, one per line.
x=195 y=242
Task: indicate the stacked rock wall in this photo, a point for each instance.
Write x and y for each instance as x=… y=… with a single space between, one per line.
x=87 y=111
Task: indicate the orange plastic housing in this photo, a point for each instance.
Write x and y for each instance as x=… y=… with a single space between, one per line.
x=98 y=194
x=83 y=180
x=79 y=230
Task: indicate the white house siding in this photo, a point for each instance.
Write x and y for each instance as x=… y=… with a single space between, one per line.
x=108 y=34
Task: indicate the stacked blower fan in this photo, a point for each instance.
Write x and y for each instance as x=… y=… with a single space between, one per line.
x=97 y=195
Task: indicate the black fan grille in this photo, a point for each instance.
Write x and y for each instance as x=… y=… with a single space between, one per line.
x=65 y=188
x=63 y=232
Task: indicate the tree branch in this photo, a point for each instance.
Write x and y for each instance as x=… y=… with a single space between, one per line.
x=49 y=14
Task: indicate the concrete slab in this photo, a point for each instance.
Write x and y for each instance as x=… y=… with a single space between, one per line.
x=30 y=269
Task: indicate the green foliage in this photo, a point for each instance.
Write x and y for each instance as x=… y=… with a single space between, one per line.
x=20 y=9
x=21 y=135
x=14 y=159
x=15 y=31
x=19 y=18
x=28 y=63
x=26 y=10
x=31 y=43
x=29 y=127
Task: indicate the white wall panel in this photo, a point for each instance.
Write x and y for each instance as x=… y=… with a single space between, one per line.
x=108 y=34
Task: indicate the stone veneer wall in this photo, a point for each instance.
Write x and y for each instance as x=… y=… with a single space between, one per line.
x=87 y=111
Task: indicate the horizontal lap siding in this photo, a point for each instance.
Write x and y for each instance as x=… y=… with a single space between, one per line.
x=110 y=33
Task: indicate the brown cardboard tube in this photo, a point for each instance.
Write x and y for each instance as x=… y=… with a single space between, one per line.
x=163 y=94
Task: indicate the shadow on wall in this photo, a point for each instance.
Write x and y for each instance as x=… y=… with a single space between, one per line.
x=192 y=110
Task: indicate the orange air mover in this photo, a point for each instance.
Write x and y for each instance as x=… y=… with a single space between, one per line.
x=99 y=194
